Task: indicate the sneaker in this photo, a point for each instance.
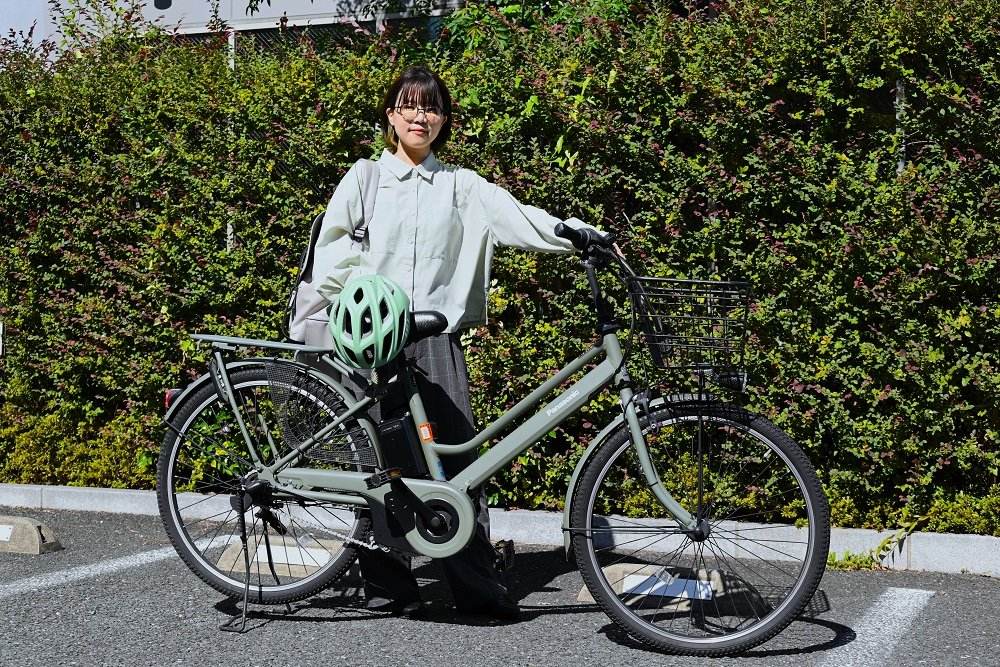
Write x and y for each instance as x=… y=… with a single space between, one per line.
x=408 y=608
x=501 y=609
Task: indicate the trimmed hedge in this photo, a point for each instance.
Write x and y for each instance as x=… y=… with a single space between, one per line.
x=841 y=155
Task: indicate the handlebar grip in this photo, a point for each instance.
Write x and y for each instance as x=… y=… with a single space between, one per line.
x=574 y=236
x=581 y=238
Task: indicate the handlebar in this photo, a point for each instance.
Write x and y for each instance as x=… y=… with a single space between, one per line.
x=584 y=237
x=597 y=250
x=593 y=244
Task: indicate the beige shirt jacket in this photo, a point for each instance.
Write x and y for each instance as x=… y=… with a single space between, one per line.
x=433 y=230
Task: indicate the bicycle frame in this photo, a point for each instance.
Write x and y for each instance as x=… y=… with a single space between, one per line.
x=350 y=487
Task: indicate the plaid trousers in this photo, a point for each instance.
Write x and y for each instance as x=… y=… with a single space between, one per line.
x=443 y=381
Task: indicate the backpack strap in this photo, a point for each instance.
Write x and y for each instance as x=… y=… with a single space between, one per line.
x=309 y=253
x=369 y=188
x=304 y=302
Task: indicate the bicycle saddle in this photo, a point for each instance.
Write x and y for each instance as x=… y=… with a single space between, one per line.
x=425 y=323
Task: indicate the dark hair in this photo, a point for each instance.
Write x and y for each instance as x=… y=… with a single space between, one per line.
x=420 y=86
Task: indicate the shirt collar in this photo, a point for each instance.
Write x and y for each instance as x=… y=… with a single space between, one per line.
x=401 y=170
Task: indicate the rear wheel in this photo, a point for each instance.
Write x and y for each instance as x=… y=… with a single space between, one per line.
x=296 y=547
x=753 y=564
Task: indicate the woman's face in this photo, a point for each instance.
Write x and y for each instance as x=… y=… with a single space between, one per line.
x=416 y=125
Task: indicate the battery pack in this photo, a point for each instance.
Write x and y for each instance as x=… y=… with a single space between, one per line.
x=401 y=447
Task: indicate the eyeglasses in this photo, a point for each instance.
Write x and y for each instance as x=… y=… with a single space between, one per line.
x=410 y=112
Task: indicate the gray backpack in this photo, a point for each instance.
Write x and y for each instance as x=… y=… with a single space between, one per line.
x=308 y=318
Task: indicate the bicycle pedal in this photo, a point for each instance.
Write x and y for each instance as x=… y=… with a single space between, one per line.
x=382 y=477
x=505 y=555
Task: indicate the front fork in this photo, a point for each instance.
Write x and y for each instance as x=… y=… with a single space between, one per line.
x=685 y=519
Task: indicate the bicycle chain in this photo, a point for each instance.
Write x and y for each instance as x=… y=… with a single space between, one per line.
x=370 y=544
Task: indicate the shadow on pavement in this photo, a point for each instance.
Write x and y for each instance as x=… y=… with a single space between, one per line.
x=536 y=570
x=803 y=636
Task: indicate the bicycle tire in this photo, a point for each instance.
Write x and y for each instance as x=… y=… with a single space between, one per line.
x=201 y=461
x=763 y=557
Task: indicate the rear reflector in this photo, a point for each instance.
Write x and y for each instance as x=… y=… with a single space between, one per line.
x=171 y=394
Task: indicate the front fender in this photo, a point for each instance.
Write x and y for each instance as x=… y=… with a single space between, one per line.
x=596 y=444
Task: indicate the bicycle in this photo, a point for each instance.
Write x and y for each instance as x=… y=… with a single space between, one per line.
x=698 y=527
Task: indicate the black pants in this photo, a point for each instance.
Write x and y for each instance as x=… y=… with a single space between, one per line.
x=443 y=381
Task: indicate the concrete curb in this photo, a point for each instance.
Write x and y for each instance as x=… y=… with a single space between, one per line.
x=930 y=552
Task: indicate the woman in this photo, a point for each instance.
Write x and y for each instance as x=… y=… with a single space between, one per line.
x=432 y=230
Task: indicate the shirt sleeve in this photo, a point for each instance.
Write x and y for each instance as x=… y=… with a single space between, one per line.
x=519 y=225
x=336 y=252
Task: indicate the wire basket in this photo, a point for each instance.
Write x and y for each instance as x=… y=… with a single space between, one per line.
x=698 y=325
x=303 y=405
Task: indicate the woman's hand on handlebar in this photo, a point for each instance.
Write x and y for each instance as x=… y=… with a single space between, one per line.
x=590 y=241
x=587 y=237
x=584 y=237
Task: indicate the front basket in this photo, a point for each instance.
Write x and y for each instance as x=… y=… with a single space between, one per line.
x=692 y=324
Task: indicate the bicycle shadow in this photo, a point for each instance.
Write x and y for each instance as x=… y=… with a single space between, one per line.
x=801 y=637
x=842 y=635
x=534 y=572
x=538 y=570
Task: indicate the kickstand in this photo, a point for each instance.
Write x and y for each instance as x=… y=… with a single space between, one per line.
x=239 y=504
x=270 y=560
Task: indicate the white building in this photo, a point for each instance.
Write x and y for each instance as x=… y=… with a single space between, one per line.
x=19 y=15
x=193 y=16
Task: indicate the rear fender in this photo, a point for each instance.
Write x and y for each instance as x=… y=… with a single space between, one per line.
x=233 y=366
x=177 y=400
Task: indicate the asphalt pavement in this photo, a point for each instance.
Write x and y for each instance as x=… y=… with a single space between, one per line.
x=117 y=595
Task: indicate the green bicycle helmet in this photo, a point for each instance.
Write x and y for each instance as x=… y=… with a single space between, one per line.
x=370 y=321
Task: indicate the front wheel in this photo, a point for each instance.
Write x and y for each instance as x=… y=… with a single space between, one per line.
x=759 y=551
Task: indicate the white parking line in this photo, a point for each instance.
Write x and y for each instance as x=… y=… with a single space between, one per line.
x=42 y=581
x=880 y=629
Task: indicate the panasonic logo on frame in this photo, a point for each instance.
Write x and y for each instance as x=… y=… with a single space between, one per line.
x=563 y=402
